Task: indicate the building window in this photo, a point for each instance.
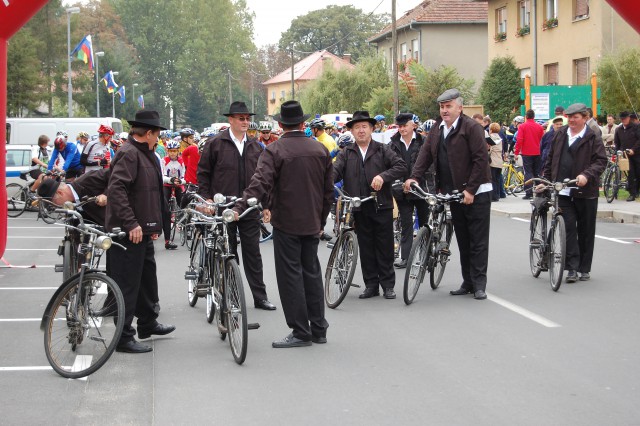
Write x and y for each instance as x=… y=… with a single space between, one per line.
x=551 y=74
x=273 y=94
x=551 y=9
x=403 y=51
x=415 y=49
x=282 y=94
x=580 y=9
x=501 y=20
x=524 y=13
x=581 y=71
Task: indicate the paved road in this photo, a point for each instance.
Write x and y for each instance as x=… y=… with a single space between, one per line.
x=526 y=356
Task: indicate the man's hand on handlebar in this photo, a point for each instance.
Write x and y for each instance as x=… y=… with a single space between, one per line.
x=407 y=184
x=468 y=197
x=581 y=180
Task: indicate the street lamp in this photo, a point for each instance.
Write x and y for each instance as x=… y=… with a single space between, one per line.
x=134 y=92
x=70 y=11
x=97 y=55
x=113 y=97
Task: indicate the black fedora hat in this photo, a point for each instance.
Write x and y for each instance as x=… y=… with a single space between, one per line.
x=291 y=114
x=361 y=116
x=147 y=118
x=48 y=188
x=238 y=107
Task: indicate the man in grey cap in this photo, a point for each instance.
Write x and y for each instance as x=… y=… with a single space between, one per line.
x=457 y=146
x=577 y=153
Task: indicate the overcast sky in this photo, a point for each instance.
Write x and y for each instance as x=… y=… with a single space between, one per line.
x=274 y=17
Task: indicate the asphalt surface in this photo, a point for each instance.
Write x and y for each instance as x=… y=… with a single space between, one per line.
x=526 y=356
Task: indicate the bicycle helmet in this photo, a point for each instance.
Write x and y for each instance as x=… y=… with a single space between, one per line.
x=253 y=126
x=116 y=143
x=62 y=133
x=201 y=144
x=83 y=135
x=186 y=132
x=317 y=123
x=172 y=144
x=427 y=125
x=329 y=126
x=196 y=137
x=307 y=132
x=379 y=117
x=106 y=129
x=175 y=135
x=345 y=139
x=208 y=133
x=519 y=119
x=265 y=127
x=59 y=143
x=124 y=135
x=416 y=119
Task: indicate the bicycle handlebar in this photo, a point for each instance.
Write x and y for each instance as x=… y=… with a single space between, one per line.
x=356 y=200
x=557 y=186
x=441 y=198
x=86 y=229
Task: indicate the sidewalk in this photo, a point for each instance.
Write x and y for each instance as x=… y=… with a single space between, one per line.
x=617 y=211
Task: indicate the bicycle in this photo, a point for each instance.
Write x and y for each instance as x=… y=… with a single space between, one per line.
x=186 y=230
x=344 y=254
x=21 y=198
x=547 y=248
x=78 y=339
x=614 y=179
x=430 y=250
x=214 y=273
x=512 y=175
x=174 y=211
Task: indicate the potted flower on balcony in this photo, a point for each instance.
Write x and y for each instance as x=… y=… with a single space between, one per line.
x=549 y=23
x=501 y=36
x=523 y=31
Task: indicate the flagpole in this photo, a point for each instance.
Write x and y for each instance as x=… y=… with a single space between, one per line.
x=97 y=55
x=70 y=11
x=113 y=97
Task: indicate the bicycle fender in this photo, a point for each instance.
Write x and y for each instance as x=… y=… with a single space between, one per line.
x=46 y=315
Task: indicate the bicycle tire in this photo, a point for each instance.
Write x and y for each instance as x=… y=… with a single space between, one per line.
x=538 y=230
x=194 y=266
x=78 y=345
x=608 y=184
x=397 y=236
x=557 y=253
x=213 y=277
x=190 y=236
x=518 y=177
x=44 y=213
x=617 y=182
x=183 y=232
x=441 y=256
x=416 y=265
x=16 y=199
x=67 y=261
x=236 y=311
x=340 y=269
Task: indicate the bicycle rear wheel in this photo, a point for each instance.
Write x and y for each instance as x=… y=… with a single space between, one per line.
x=610 y=183
x=78 y=337
x=340 y=269
x=416 y=265
x=397 y=236
x=16 y=200
x=441 y=253
x=236 y=311
x=213 y=282
x=195 y=266
x=557 y=253
x=538 y=229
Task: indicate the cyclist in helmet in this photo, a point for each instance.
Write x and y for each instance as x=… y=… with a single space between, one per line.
x=71 y=156
x=345 y=139
x=173 y=172
x=252 y=131
x=63 y=134
x=187 y=138
x=82 y=139
x=97 y=154
x=266 y=136
x=380 y=126
x=317 y=126
x=190 y=158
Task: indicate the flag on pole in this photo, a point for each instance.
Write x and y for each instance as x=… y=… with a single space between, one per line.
x=141 y=101
x=84 y=51
x=109 y=82
x=121 y=93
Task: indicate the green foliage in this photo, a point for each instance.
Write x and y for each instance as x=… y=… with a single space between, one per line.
x=23 y=85
x=500 y=89
x=619 y=81
x=339 y=29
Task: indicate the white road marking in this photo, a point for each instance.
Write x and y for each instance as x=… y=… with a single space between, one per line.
x=54 y=249
x=38 y=237
x=35 y=368
x=522 y=311
x=28 y=288
x=521 y=219
x=615 y=240
x=82 y=362
x=27 y=319
x=30 y=227
x=27 y=266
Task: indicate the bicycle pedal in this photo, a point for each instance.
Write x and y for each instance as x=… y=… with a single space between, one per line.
x=58 y=268
x=253 y=326
x=188 y=276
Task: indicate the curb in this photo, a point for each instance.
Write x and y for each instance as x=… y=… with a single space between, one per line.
x=619 y=216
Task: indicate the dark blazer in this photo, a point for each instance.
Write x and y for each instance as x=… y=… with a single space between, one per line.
x=467 y=148
x=219 y=169
x=628 y=138
x=91 y=185
x=379 y=160
x=294 y=178
x=135 y=190
x=589 y=160
x=396 y=145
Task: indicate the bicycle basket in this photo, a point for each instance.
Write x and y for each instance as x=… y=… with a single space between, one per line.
x=623 y=163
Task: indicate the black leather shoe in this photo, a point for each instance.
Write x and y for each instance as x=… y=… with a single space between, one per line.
x=265 y=304
x=158 y=330
x=480 y=295
x=460 y=292
x=572 y=277
x=400 y=263
x=527 y=197
x=369 y=292
x=319 y=339
x=584 y=276
x=631 y=198
x=170 y=246
x=290 y=342
x=133 y=347
x=388 y=293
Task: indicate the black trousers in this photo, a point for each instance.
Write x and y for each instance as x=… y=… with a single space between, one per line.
x=134 y=270
x=405 y=209
x=580 y=223
x=249 y=228
x=471 y=225
x=532 y=165
x=300 y=284
x=375 y=243
x=496 y=181
x=634 y=174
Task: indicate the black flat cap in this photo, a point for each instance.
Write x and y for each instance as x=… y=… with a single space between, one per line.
x=576 y=108
x=449 y=95
x=624 y=114
x=404 y=117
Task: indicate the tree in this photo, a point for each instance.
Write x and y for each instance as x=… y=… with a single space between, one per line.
x=339 y=29
x=619 y=81
x=500 y=89
x=23 y=74
x=275 y=60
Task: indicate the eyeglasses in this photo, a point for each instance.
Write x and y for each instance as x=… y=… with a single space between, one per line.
x=265 y=132
x=104 y=135
x=242 y=118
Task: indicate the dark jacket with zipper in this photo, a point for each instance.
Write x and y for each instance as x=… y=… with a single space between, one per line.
x=627 y=138
x=135 y=190
x=91 y=185
x=223 y=170
x=467 y=153
x=588 y=158
x=399 y=147
x=358 y=174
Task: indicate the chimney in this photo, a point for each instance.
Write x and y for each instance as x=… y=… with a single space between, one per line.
x=346 y=57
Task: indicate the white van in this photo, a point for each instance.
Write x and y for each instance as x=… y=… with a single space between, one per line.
x=340 y=118
x=25 y=131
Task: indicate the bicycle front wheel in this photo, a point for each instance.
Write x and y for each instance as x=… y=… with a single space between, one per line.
x=609 y=184
x=416 y=265
x=557 y=253
x=340 y=269
x=79 y=337
x=196 y=266
x=538 y=229
x=16 y=200
x=213 y=278
x=47 y=213
x=440 y=254
x=236 y=312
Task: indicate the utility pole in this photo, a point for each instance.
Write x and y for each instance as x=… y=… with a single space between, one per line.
x=230 y=95
x=293 y=89
x=253 y=106
x=394 y=63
